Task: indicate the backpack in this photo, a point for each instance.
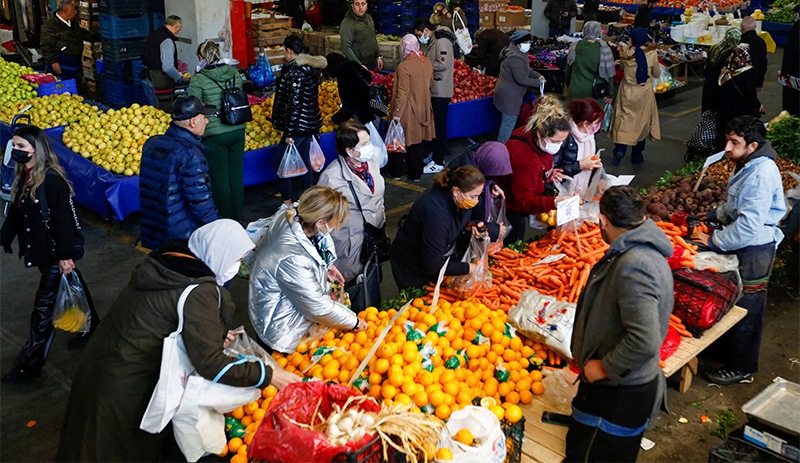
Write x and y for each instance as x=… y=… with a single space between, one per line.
x=235 y=108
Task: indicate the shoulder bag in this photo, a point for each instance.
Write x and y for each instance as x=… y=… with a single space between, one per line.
x=235 y=109
x=376 y=241
x=77 y=245
x=378 y=97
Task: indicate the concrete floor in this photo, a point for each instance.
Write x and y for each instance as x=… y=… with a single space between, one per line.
x=111 y=257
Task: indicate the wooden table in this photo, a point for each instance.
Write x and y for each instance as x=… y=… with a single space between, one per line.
x=545 y=443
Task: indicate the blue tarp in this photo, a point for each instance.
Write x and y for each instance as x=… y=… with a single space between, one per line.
x=473 y=117
x=259 y=165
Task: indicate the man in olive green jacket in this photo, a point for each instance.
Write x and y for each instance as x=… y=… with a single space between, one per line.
x=61 y=42
x=359 y=42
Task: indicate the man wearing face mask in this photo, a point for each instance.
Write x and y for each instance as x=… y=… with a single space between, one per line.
x=750 y=216
x=620 y=323
x=357 y=176
x=175 y=188
x=516 y=77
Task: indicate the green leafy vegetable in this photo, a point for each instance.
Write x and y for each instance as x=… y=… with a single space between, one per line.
x=664 y=180
x=785 y=137
x=520 y=246
x=726 y=422
x=690 y=168
x=404 y=296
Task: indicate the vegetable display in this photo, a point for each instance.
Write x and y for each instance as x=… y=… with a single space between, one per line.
x=676 y=194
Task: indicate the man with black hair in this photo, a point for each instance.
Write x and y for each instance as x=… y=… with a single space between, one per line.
x=620 y=323
x=751 y=215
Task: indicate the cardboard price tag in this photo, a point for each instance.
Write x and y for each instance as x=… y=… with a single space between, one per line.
x=713 y=158
x=568 y=210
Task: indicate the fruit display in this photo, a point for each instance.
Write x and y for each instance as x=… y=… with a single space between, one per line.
x=12 y=87
x=71 y=320
x=782 y=15
x=259 y=132
x=114 y=140
x=52 y=110
x=470 y=84
x=721 y=171
x=387 y=38
x=548 y=217
x=676 y=195
x=329 y=104
x=683 y=4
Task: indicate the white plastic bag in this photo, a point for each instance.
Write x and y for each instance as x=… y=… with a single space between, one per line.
x=292 y=164
x=544 y=319
x=462 y=35
x=378 y=145
x=395 y=138
x=490 y=446
x=315 y=155
x=256 y=231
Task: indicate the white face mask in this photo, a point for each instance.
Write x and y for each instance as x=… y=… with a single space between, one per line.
x=424 y=39
x=525 y=47
x=365 y=153
x=551 y=148
x=228 y=276
x=322 y=235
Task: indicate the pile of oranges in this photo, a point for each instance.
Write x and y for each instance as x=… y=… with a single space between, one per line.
x=436 y=362
x=329 y=103
x=241 y=425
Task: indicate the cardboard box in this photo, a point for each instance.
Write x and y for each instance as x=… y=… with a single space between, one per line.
x=92 y=50
x=508 y=18
x=486 y=20
x=773 y=440
x=333 y=44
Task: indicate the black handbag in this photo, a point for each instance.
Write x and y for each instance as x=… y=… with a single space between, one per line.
x=378 y=97
x=365 y=289
x=376 y=241
x=78 y=244
x=600 y=89
x=235 y=108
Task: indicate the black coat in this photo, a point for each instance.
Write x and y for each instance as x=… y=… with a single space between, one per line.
x=354 y=82
x=567 y=158
x=296 y=108
x=758 y=53
x=490 y=43
x=25 y=222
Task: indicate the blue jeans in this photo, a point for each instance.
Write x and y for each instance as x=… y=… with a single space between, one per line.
x=506 y=127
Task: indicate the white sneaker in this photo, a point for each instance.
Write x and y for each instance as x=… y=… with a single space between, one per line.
x=432 y=168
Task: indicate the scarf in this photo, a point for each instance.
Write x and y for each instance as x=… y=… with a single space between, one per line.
x=586 y=148
x=591 y=31
x=493 y=160
x=363 y=173
x=721 y=50
x=639 y=38
x=219 y=245
x=738 y=62
x=409 y=44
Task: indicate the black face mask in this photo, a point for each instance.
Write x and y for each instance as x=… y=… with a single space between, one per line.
x=20 y=156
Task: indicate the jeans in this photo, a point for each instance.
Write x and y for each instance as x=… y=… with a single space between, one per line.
x=292 y=188
x=637 y=153
x=507 y=125
x=439 y=144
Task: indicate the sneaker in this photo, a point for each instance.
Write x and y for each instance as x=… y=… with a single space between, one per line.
x=428 y=159
x=398 y=178
x=415 y=180
x=617 y=158
x=21 y=375
x=432 y=168
x=726 y=377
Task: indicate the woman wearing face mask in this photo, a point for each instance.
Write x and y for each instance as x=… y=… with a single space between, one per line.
x=529 y=189
x=289 y=287
x=437 y=228
x=589 y=61
x=120 y=368
x=576 y=158
x=357 y=176
x=50 y=246
x=516 y=77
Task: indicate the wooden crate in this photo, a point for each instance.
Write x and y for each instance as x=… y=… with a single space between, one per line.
x=333 y=44
x=270 y=38
x=316 y=43
x=391 y=54
x=270 y=22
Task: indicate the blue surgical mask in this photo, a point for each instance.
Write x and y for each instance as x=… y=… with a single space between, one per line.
x=424 y=39
x=322 y=235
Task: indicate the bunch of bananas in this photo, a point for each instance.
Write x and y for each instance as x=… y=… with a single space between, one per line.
x=71 y=320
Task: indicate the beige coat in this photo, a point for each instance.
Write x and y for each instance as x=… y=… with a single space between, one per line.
x=411 y=101
x=350 y=237
x=635 y=109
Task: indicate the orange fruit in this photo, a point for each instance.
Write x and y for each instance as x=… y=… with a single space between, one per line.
x=375 y=391
x=513 y=414
x=503 y=389
x=238 y=414
x=525 y=397
x=536 y=376
x=442 y=412
x=248 y=438
x=465 y=437
x=537 y=388
x=239 y=458
x=410 y=388
x=246 y=420
x=436 y=398
x=512 y=397
x=331 y=370
x=234 y=444
x=388 y=391
x=269 y=391
x=451 y=388
x=498 y=411
x=258 y=415
x=344 y=376
x=464 y=397
x=224 y=451
x=402 y=399
x=444 y=454
x=242 y=451
x=523 y=385
x=381 y=366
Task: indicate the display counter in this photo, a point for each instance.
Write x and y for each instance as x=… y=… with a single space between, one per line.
x=472 y=117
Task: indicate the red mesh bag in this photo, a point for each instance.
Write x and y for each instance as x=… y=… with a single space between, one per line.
x=277 y=439
x=702 y=298
x=671 y=343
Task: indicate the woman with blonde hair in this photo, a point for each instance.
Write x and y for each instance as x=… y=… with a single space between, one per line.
x=529 y=189
x=51 y=244
x=442 y=17
x=225 y=142
x=289 y=287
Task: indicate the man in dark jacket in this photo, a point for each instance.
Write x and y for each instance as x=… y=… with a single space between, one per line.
x=790 y=68
x=161 y=58
x=620 y=323
x=61 y=43
x=560 y=14
x=175 y=190
x=359 y=41
x=490 y=43
x=758 y=50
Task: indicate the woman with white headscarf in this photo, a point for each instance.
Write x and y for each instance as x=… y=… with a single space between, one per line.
x=590 y=64
x=411 y=107
x=120 y=366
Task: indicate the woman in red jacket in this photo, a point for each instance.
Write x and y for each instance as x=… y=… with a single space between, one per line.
x=529 y=189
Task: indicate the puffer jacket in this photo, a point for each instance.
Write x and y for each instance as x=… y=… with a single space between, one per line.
x=296 y=108
x=289 y=288
x=359 y=42
x=440 y=52
x=567 y=157
x=207 y=85
x=175 y=189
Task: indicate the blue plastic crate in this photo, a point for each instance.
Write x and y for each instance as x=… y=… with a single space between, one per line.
x=121 y=71
x=57 y=88
x=124 y=27
x=390 y=20
x=120 y=7
x=156 y=6
x=391 y=8
x=118 y=95
x=137 y=67
x=390 y=30
x=123 y=49
x=156 y=20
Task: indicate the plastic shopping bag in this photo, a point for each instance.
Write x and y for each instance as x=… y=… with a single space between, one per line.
x=381 y=154
x=261 y=73
x=462 y=35
x=315 y=155
x=395 y=138
x=292 y=164
x=72 y=312
x=544 y=319
x=608 y=119
x=256 y=230
x=498 y=215
x=477 y=253
x=490 y=442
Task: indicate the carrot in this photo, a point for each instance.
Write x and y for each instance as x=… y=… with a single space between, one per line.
x=688 y=263
x=681 y=242
x=551 y=358
x=712 y=269
x=510 y=292
x=674 y=318
x=662 y=364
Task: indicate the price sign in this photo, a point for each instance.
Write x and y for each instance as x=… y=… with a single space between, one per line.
x=568 y=210
x=713 y=158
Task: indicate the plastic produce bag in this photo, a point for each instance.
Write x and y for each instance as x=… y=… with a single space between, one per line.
x=671 y=343
x=608 y=119
x=395 y=138
x=256 y=231
x=292 y=164
x=498 y=215
x=477 y=253
x=315 y=155
x=261 y=73
x=490 y=442
x=381 y=154
x=278 y=439
x=72 y=312
x=544 y=319
x=722 y=262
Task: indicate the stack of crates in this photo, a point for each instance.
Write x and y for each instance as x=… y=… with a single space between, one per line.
x=124 y=27
x=398 y=17
x=89 y=16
